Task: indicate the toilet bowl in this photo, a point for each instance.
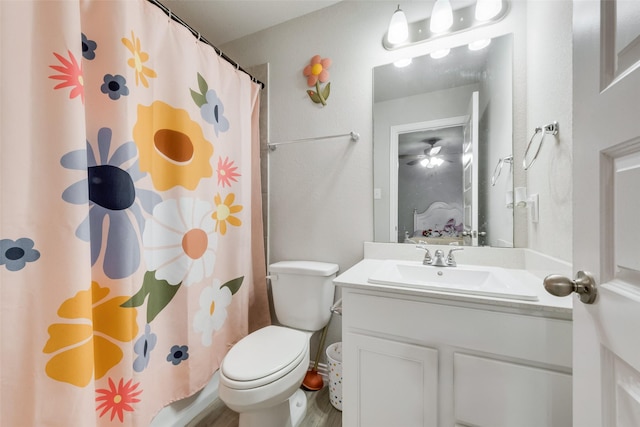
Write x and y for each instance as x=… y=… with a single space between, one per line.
x=262 y=372
x=260 y=376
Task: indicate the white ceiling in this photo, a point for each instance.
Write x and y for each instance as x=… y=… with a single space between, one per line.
x=221 y=21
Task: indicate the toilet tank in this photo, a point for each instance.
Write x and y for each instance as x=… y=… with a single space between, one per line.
x=303 y=293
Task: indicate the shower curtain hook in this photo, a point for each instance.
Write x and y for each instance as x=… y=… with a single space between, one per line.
x=198 y=40
x=170 y=16
x=237 y=67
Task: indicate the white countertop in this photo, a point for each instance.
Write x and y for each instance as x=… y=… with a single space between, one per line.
x=547 y=304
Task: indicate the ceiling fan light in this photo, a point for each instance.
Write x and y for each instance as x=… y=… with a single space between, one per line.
x=435 y=150
x=398 y=27
x=487 y=9
x=424 y=163
x=441 y=16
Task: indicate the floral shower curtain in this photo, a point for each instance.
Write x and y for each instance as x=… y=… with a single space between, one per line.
x=131 y=254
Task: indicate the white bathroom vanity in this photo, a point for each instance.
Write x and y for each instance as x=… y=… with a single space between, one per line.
x=424 y=357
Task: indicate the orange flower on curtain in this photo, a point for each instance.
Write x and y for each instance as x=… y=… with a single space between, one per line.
x=172 y=147
x=224 y=210
x=86 y=345
x=316 y=72
x=139 y=58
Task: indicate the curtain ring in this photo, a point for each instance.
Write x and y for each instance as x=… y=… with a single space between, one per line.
x=170 y=16
x=198 y=39
x=524 y=160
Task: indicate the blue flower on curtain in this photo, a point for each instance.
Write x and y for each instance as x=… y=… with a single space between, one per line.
x=213 y=112
x=142 y=348
x=114 y=86
x=110 y=191
x=88 y=48
x=211 y=107
x=16 y=254
x=177 y=354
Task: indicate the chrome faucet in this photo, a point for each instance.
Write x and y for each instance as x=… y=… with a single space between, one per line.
x=438 y=259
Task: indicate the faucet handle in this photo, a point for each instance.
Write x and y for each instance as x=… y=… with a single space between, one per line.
x=427 y=254
x=451 y=261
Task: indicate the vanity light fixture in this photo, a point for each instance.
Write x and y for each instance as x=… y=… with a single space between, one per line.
x=443 y=22
x=479 y=44
x=487 y=9
x=401 y=63
x=440 y=53
x=441 y=16
x=398 y=27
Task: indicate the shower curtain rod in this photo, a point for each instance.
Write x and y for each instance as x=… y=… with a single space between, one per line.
x=196 y=34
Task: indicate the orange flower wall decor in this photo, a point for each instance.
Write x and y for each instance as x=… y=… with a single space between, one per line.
x=316 y=73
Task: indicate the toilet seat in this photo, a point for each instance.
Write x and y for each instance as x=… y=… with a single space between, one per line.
x=263 y=357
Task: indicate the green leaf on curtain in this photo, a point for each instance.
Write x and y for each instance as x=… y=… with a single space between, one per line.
x=234 y=284
x=160 y=293
x=326 y=91
x=202 y=84
x=198 y=98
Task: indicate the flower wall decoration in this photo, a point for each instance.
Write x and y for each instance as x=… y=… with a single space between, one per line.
x=316 y=73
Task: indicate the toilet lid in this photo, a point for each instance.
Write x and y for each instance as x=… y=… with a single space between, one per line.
x=265 y=355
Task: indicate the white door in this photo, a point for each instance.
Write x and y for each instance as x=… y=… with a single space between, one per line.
x=470 y=171
x=606 y=179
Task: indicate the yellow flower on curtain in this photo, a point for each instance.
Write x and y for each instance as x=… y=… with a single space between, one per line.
x=86 y=345
x=224 y=211
x=139 y=57
x=172 y=147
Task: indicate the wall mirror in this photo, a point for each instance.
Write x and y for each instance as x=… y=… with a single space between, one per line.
x=443 y=141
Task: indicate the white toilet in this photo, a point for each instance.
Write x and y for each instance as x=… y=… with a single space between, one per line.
x=261 y=375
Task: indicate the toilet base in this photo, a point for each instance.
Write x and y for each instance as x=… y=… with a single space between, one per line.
x=286 y=414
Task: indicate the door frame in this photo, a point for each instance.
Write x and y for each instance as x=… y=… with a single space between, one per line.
x=394 y=136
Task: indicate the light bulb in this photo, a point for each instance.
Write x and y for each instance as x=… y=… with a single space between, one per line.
x=440 y=53
x=401 y=63
x=435 y=150
x=479 y=44
x=424 y=162
x=398 y=28
x=441 y=16
x=487 y=9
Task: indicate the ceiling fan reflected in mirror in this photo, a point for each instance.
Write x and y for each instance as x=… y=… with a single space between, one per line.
x=429 y=159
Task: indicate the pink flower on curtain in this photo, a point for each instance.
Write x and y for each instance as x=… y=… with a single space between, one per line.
x=226 y=172
x=316 y=73
x=117 y=399
x=138 y=60
x=71 y=75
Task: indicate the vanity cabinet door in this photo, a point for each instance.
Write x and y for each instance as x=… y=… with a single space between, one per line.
x=390 y=383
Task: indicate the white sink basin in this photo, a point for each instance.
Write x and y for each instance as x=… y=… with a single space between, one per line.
x=464 y=279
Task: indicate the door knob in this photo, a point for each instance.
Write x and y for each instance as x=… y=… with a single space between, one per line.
x=561 y=286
